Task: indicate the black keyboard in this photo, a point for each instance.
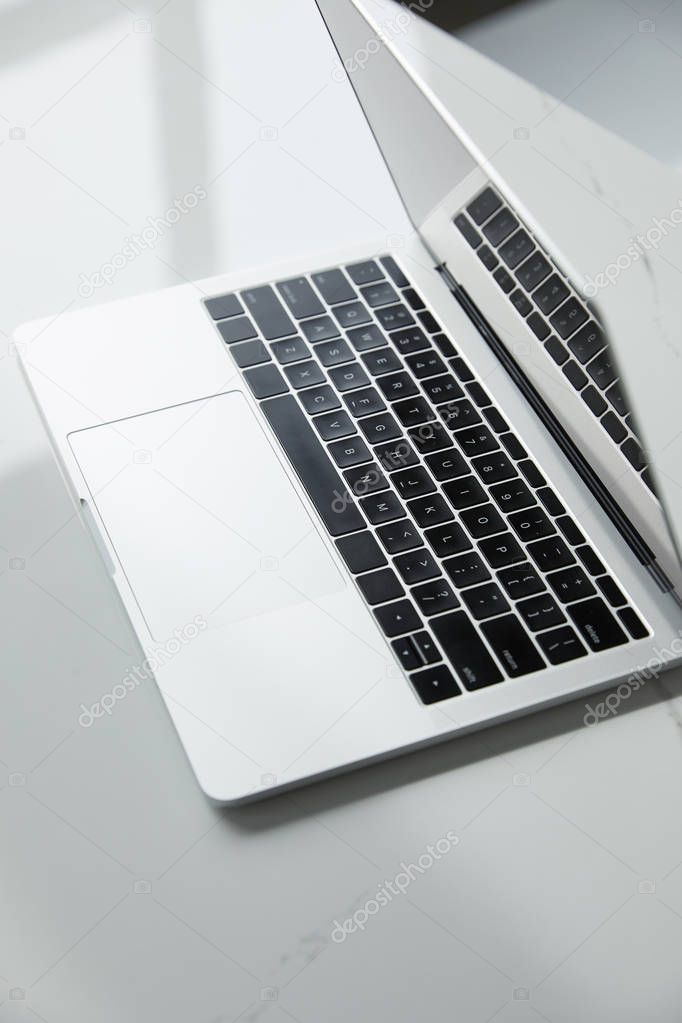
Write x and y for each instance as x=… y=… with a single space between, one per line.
x=555 y=313
x=465 y=554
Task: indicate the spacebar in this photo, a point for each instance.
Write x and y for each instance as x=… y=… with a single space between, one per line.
x=310 y=460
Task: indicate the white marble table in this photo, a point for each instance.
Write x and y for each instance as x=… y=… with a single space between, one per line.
x=125 y=895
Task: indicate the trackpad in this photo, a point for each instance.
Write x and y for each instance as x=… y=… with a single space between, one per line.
x=202 y=515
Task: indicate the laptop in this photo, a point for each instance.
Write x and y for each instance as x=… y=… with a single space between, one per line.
x=370 y=502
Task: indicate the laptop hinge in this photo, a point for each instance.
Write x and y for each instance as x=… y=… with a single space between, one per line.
x=597 y=488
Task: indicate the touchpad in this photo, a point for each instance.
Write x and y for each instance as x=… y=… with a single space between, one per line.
x=202 y=515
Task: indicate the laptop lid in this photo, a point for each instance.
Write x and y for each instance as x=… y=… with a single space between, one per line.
x=415 y=83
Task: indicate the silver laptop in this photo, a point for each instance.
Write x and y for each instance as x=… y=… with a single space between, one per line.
x=346 y=514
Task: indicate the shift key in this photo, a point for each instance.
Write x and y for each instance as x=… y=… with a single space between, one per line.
x=268 y=312
x=465 y=650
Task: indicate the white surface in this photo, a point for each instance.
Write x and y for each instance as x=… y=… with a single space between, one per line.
x=558 y=825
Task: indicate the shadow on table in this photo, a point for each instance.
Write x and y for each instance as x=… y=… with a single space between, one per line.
x=498 y=741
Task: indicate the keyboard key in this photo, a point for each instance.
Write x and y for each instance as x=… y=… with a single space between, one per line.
x=397 y=618
x=349 y=452
x=426 y=649
x=478 y=395
x=465 y=492
x=575 y=375
x=430 y=510
x=551 y=501
x=332 y=353
x=602 y=370
x=561 y=645
x=381 y=586
x=426 y=364
x=249 y=353
x=413 y=411
x=352 y=315
x=494 y=468
x=539 y=326
x=406 y=653
x=445 y=346
x=521 y=581
x=503 y=550
x=394 y=272
x=265 y=381
x=512 y=646
x=556 y=350
x=430 y=437
x=448 y=540
x=512 y=496
x=319 y=399
x=378 y=294
x=396 y=455
x=568 y=318
x=504 y=279
x=382 y=361
x=334 y=425
x=634 y=454
x=617 y=398
x=570 y=530
x=223 y=306
x=532 y=474
x=466 y=570
x=394 y=317
x=514 y=446
x=458 y=414
x=550 y=294
x=416 y=566
x=447 y=465
x=380 y=428
x=429 y=322
x=541 y=612
x=435 y=597
x=294 y=349
x=347 y=378
x=477 y=440
x=334 y=287
x=485 y=601
x=461 y=370
x=411 y=340
x=319 y=329
x=550 y=554
x=442 y=388
x=594 y=400
x=483 y=206
x=300 y=298
x=487 y=257
x=531 y=525
x=239 y=329
x=614 y=427
x=304 y=374
x=382 y=508
x=632 y=623
x=365 y=402
x=571 y=584
x=533 y=271
x=413 y=299
x=361 y=552
x=268 y=312
x=364 y=339
x=467 y=230
x=590 y=560
x=399 y=536
x=435 y=684
x=365 y=479
x=466 y=651
x=482 y=521
x=397 y=385
x=364 y=273
x=414 y=482
x=518 y=248
x=520 y=302
x=500 y=227
x=596 y=624
x=611 y=591
x=587 y=342
x=309 y=460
